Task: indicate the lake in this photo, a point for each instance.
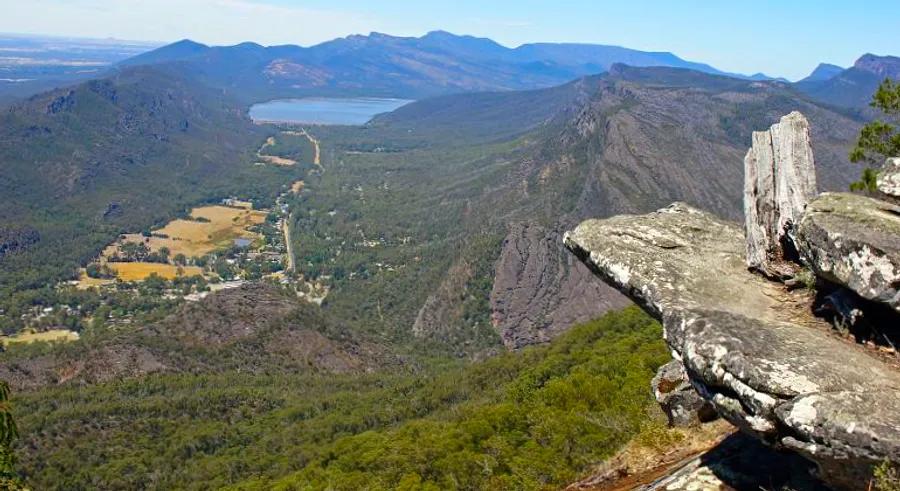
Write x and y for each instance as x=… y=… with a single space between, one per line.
x=324 y=110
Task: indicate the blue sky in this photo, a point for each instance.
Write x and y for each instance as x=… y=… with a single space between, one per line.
x=784 y=38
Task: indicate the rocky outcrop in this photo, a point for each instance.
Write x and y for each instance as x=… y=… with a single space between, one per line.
x=751 y=347
x=854 y=241
x=779 y=180
x=888 y=180
x=678 y=399
x=740 y=462
x=540 y=289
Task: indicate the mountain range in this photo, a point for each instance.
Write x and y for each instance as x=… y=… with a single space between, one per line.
x=437 y=229
x=443 y=63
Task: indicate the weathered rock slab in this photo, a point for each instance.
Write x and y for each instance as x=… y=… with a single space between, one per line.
x=779 y=180
x=677 y=397
x=888 y=180
x=854 y=241
x=749 y=346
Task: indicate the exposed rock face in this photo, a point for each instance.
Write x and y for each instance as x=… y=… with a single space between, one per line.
x=889 y=179
x=749 y=346
x=740 y=462
x=678 y=399
x=540 y=290
x=779 y=180
x=854 y=241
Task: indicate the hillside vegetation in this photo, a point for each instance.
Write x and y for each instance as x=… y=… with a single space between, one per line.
x=84 y=164
x=413 y=210
x=528 y=420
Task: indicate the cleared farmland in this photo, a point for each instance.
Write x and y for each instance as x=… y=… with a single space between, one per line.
x=211 y=228
x=30 y=336
x=137 y=271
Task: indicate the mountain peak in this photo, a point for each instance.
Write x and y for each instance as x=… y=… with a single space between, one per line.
x=883 y=66
x=187 y=43
x=823 y=71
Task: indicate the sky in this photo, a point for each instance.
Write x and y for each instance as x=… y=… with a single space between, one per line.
x=780 y=38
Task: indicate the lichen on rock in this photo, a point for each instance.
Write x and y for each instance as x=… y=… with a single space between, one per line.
x=854 y=241
x=751 y=347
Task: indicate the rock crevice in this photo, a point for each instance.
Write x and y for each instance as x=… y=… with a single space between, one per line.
x=748 y=344
x=779 y=181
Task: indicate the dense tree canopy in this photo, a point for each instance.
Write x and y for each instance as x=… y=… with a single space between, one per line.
x=879 y=139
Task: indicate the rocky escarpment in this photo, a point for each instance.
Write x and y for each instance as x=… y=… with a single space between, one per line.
x=751 y=346
x=540 y=290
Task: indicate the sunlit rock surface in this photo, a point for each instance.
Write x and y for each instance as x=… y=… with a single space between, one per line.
x=751 y=347
x=854 y=241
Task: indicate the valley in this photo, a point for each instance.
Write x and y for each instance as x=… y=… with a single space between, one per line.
x=364 y=286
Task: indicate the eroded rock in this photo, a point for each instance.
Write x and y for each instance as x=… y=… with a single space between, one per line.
x=854 y=241
x=888 y=180
x=779 y=180
x=750 y=347
x=678 y=399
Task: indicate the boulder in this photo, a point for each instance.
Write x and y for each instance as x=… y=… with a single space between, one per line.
x=888 y=180
x=750 y=346
x=678 y=399
x=779 y=180
x=853 y=241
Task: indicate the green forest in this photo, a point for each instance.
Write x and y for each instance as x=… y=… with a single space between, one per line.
x=533 y=419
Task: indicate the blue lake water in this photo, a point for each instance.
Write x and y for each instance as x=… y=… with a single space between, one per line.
x=323 y=110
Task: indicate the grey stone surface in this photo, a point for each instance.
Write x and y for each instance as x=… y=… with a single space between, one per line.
x=678 y=399
x=888 y=180
x=740 y=462
x=854 y=241
x=750 y=347
x=779 y=180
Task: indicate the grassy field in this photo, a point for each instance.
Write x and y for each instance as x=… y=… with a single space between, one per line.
x=196 y=238
x=288 y=148
x=85 y=281
x=28 y=336
x=141 y=271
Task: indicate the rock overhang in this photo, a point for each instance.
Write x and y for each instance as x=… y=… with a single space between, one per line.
x=749 y=345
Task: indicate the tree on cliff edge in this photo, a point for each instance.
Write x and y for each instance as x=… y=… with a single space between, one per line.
x=879 y=139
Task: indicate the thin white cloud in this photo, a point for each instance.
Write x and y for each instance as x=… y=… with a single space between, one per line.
x=209 y=21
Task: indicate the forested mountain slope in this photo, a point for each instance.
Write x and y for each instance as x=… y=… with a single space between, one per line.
x=633 y=140
x=82 y=164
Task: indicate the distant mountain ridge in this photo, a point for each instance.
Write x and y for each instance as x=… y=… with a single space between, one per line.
x=437 y=63
x=823 y=71
x=854 y=86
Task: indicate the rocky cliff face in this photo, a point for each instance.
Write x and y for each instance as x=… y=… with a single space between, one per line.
x=540 y=290
x=753 y=347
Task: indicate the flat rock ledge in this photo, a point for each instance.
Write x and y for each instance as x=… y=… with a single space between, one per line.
x=748 y=345
x=854 y=241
